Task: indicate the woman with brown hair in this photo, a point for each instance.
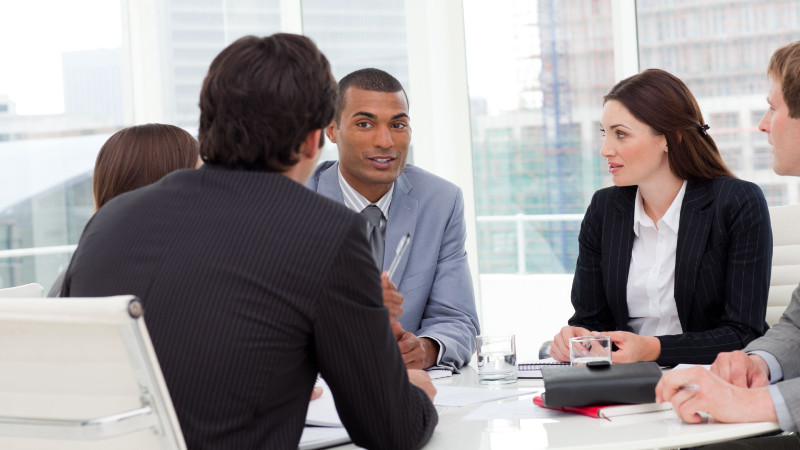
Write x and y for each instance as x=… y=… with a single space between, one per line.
x=140 y=155
x=674 y=260
x=134 y=157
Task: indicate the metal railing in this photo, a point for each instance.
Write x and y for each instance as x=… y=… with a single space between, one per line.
x=518 y=219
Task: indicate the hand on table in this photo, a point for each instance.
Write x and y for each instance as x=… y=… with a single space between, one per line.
x=633 y=347
x=559 y=348
x=422 y=380
x=418 y=353
x=741 y=369
x=697 y=389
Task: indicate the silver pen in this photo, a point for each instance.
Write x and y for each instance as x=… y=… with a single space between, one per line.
x=401 y=248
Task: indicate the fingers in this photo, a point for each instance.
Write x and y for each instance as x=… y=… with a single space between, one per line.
x=559 y=349
x=397 y=330
x=420 y=379
x=392 y=298
x=411 y=350
x=316 y=392
x=386 y=283
x=737 y=368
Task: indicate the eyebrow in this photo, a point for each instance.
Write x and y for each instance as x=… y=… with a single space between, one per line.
x=373 y=116
x=616 y=126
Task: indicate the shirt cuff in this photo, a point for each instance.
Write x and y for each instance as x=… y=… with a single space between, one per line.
x=775 y=371
x=781 y=410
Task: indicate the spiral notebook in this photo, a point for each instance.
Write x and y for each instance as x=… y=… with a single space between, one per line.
x=533 y=369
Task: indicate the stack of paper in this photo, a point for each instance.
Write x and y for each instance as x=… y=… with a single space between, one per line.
x=323 y=427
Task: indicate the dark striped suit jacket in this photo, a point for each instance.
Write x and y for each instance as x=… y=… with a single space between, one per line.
x=251 y=285
x=722 y=268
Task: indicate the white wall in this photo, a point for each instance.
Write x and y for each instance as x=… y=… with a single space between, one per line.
x=534 y=307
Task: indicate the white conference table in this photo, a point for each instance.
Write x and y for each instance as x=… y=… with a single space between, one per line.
x=570 y=431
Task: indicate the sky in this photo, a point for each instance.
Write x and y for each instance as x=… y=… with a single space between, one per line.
x=30 y=55
x=488 y=51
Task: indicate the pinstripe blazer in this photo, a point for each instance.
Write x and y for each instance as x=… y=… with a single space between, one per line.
x=722 y=268
x=783 y=342
x=252 y=284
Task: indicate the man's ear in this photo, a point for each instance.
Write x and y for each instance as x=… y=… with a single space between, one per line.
x=311 y=147
x=330 y=131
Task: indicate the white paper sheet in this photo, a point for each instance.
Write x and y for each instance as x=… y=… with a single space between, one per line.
x=520 y=409
x=465 y=396
x=322 y=411
x=319 y=437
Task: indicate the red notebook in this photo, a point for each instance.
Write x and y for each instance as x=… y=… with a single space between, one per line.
x=606 y=411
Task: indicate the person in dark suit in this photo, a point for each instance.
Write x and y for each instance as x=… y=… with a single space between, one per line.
x=761 y=383
x=433 y=302
x=251 y=283
x=674 y=261
x=134 y=157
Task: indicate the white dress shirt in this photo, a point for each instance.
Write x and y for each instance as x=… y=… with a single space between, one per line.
x=651 y=278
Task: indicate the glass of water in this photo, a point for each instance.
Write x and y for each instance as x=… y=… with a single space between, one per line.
x=590 y=349
x=497 y=359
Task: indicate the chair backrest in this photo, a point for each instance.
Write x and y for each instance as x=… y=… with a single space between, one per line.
x=81 y=373
x=785 y=259
x=26 y=290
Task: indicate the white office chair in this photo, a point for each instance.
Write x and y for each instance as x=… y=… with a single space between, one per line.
x=26 y=290
x=81 y=373
x=785 y=259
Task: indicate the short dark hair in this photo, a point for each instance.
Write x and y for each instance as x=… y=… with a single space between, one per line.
x=140 y=155
x=261 y=98
x=369 y=80
x=784 y=66
x=664 y=103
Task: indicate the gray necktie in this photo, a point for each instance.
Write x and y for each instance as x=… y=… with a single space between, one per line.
x=373 y=215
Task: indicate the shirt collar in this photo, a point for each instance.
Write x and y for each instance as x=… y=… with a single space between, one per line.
x=671 y=218
x=357 y=202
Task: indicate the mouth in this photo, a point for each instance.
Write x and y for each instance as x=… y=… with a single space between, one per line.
x=381 y=162
x=614 y=168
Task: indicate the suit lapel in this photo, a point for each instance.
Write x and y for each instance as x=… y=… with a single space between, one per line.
x=693 y=233
x=329 y=183
x=620 y=247
x=402 y=219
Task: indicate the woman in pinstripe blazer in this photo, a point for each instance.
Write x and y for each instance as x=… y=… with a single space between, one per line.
x=674 y=260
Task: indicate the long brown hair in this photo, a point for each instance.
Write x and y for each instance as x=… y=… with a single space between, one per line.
x=663 y=102
x=140 y=155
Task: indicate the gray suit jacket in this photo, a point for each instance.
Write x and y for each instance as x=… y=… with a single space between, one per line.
x=433 y=275
x=783 y=342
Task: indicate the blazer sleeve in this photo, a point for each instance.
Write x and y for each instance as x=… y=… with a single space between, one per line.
x=734 y=274
x=588 y=295
x=790 y=390
x=450 y=315
x=783 y=341
x=358 y=355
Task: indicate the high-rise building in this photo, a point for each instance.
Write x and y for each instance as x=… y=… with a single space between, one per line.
x=93 y=84
x=543 y=158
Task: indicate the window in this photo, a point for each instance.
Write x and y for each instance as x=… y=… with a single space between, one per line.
x=59 y=107
x=540 y=71
x=726 y=75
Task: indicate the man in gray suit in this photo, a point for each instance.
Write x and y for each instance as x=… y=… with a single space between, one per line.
x=434 y=316
x=762 y=382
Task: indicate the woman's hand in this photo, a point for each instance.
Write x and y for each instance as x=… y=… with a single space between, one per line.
x=559 y=349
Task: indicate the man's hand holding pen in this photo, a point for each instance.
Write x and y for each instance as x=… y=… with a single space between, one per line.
x=392 y=298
